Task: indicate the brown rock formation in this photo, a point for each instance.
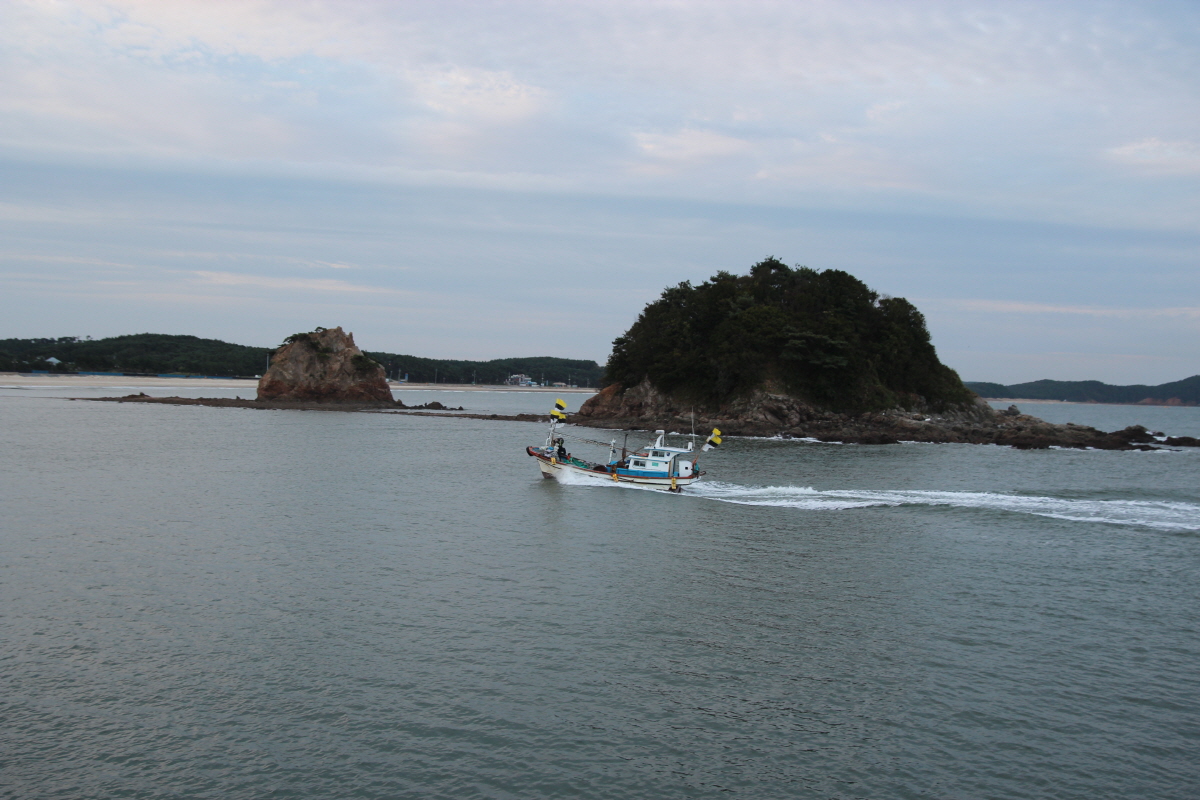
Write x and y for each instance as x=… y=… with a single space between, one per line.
x=767 y=414
x=324 y=366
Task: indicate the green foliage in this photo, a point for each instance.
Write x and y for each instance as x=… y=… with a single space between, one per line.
x=143 y=353
x=364 y=363
x=426 y=370
x=309 y=338
x=820 y=336
x=153 y=354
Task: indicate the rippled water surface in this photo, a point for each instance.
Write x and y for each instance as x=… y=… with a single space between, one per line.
x=204 y=602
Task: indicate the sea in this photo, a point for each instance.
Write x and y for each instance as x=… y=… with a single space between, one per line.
x=226 y=603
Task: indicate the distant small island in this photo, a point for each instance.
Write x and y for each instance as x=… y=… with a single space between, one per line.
x=1177 y=393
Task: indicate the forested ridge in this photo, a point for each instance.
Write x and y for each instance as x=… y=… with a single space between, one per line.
x=1185 y=391
x=821 y=336
x=156 y=353
x=150 y=353
x=540 y=368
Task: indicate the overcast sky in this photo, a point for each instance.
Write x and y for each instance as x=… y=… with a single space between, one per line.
x=479 y=180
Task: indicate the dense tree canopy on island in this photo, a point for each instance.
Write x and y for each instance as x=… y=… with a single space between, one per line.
x=823 y=337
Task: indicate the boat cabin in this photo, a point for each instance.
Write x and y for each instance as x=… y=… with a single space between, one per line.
x=658 y=461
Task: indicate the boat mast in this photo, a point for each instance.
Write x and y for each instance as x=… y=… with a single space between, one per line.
x=557 y=414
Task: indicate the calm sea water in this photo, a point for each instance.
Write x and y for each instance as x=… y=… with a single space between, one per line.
x=226 y=603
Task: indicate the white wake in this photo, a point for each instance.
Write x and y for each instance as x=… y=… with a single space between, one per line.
x=1158 y=514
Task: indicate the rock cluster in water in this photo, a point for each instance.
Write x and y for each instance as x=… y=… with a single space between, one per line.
x=324 y=366
x=765 y=414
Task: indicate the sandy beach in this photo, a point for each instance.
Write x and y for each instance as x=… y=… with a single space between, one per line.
x=101 y=381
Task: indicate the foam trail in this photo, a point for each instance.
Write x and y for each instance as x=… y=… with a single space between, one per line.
x=1157 y=514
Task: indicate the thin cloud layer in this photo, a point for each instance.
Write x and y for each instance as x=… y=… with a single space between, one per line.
x=778 y=98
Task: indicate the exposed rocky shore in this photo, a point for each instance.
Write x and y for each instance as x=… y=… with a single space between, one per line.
x=766 y=414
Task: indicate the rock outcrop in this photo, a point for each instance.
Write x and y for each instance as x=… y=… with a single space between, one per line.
x=766 y=414
x=324 y=366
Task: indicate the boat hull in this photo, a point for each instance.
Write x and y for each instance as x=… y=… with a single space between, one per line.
x=552 y=468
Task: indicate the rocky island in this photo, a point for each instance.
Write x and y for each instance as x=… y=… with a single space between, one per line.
x=322 y=369
x=805 y=354
x=324 y=366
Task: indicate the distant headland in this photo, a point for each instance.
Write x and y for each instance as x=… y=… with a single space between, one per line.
x=155 y=354
x=1177 y=393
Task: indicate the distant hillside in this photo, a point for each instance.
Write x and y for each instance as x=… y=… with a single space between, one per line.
x=156 y=354
x=547 y=368
x=1186 y=391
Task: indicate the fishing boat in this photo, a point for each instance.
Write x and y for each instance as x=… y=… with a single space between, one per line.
x=657 y=465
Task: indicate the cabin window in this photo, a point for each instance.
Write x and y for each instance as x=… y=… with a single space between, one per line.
x=639 y=463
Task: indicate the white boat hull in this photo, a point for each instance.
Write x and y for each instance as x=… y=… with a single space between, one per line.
x=553 y=468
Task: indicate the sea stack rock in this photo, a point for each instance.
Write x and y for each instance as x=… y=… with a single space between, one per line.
x=324 y=366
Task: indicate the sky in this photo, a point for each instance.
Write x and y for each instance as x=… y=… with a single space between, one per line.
x=492 y=179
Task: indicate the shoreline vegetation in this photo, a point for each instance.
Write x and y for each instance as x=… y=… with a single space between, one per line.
x=163 y=355
x=151 y=356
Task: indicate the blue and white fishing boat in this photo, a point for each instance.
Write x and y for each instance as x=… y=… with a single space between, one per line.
x=657 y=465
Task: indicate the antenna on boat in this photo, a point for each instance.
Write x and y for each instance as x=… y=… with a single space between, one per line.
x=624 y=447
x=693 y=445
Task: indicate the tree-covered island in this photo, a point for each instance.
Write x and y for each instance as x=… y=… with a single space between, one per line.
x=823 y=337
x=804 y=353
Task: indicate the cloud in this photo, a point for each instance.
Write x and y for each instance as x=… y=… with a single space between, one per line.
x=689 y=146
x=885 y=110
x=1020 y=307
x=962 y=105
x=320 y=285
x=60 y=259
x=493 y=97
x=1157 y=156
